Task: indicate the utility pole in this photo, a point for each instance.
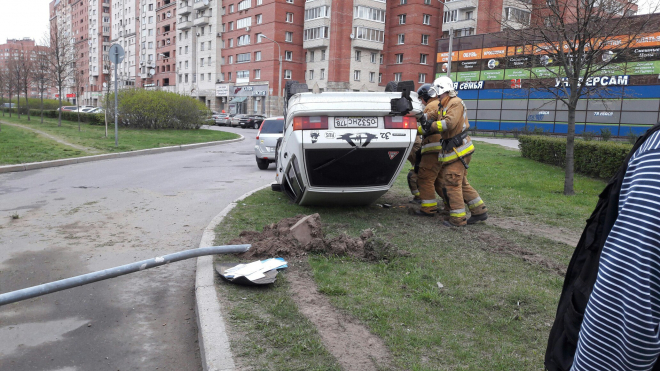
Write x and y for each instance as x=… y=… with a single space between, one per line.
x=451 y=39
x=116 y=54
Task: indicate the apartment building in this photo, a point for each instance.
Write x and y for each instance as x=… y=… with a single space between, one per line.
x=98 y=39
x=165 y=70
x=147 y=46
x=60 y=19
x=198 y=52
x=15 y=48
x=124 y=31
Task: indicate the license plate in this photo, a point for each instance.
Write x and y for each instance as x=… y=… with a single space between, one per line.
x=356 y=122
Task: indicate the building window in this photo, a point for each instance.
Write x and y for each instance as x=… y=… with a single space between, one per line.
x=427 y=19
x=258 y=19
x=402 y=19
x=311 y=56
x=244 y=22
x=427 y=2
x=287 y=74
x=259 y=2
x=401 y=38
x=243 y=40
x=323 y=54
x=403 y=2
x=356 y=75
x=315 y=33
x=229 y=76
x=425 y=39
x=422 y=58
x=245 y=4
x=374 y=56
x=186 y=78
x=223 y=11
x=222 y=76
x=517 y=15
x=369 y=34
x=288 y=36
x=231 y=26
x=399 y=58
x=289 y=1
x=288 y=55
x=201 y=46
x=231 y=43
x=380 y=78
x=242 y=58
x=450 y=16
x=318 y=12
x=257 y=56
x=201 y=77
x=289 y=17
x=397 y=76
x=243 y=74
x=311 y=74
x=468 y=15
x=372 y=14
x=231 y=8
x=231 y=59
x=322 y=74
x=372 y=76
x=201 y=62
x=358 y=55
x=382 y=59
x=422 y=77
x=257 y=74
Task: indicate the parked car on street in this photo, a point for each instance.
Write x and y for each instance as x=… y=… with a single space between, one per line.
x=223 y=119
x=235 y=121
x=270 y=132
x=252 y=121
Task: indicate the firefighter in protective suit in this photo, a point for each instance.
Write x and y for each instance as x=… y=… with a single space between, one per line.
x=428 y=176
x=455 y=154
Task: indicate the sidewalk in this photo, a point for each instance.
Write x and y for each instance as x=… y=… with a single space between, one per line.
x=508 y=143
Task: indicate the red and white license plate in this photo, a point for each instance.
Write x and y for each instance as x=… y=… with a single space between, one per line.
x=356 y=122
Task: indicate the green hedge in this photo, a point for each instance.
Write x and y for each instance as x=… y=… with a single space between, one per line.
x=35 y=103
x=592 y=158
x=91 y=118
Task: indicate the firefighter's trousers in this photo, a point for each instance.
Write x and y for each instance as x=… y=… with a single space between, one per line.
x=458 y=192
x=429 y=181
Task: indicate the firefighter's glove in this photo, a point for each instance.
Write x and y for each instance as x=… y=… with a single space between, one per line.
x=424 y=125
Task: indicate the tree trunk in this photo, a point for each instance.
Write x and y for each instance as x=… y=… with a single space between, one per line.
x=570 y=146
x=27 y=103
x=59 y=116
x=9 y=103
x=78 y=107
x=42 y=107
x=18 y=103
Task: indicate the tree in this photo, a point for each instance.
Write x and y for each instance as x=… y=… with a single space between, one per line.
x=17 y=71
x=77 y=77
x=41 y=75
x=3 y=88
x=27 y=68
x=62 y=59
x=576 y=45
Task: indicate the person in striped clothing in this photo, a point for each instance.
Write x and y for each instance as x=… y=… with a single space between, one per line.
x=621 y=326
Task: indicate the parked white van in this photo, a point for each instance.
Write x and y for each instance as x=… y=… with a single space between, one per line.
x=345 y=147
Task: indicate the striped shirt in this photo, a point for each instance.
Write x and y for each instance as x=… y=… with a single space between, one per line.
x=620 y=330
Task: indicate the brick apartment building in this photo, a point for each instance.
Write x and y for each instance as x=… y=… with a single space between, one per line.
x=213 y=50
x=14 y=48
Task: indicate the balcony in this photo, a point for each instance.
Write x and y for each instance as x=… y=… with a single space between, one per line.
x=201 y=5
x=201 y=21
x=184 y=9
x=185 y=25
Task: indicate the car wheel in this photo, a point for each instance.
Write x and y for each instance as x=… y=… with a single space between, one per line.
x=262 y=164
x=256 y=126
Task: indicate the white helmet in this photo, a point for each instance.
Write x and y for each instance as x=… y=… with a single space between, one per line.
x=440 y=86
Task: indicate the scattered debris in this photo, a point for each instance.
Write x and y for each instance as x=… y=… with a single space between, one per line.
x=261 y=272
x=440 y=285
x=303 y=234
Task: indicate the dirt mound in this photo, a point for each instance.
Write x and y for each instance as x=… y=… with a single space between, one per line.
x=303 y=234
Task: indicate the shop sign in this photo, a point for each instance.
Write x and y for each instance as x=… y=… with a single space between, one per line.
x=469 y=85
x=222 y=90
x=249 y=91
x=598 y=81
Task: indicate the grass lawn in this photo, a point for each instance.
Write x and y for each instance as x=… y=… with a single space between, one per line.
x=500 y=287
x=19 y=146
x=93 y=136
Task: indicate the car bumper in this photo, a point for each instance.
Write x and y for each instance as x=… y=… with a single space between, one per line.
x=264 y=152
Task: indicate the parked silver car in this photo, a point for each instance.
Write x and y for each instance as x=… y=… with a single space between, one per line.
x=271 y=130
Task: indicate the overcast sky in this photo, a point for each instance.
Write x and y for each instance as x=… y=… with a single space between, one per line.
x=29 y=18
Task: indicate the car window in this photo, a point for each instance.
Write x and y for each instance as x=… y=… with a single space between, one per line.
x=272 y=127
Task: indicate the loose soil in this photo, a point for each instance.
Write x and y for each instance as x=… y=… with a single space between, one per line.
x=277 y=240
x=554 y=233
x=350 y=342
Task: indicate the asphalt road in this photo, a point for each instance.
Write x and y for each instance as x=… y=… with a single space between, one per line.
x=86 y=217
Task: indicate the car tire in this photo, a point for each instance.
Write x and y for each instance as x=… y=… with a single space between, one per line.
x=262 y=164
x=256 y=126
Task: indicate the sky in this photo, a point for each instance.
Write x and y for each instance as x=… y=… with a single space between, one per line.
x=29 y=18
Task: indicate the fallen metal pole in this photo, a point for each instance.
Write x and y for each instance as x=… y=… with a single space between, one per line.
x=67 y=283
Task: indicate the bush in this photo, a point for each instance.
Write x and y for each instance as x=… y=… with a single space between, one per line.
x=145 y=109
x=588 y=136
x=592 y=158
x=90 y=118
x=35 y=103
x=605 y=134
x=632 y=137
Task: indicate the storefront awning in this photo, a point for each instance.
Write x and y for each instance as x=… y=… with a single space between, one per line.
x=237 y=99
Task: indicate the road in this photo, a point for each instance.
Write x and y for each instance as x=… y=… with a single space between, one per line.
x=86 y=217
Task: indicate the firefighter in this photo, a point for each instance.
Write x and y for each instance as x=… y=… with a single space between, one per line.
x=455 y=155
x=428 y=176
x=412 y=174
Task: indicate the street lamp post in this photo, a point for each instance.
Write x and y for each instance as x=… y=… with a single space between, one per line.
x=279 y=51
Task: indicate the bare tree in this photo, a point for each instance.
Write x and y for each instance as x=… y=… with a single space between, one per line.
x=17 y=71
x=77 y=77
x=575 y=45
x=41 y=75
x=10 y=83
x=27 y=68
x=62 y=59
x=3 y=88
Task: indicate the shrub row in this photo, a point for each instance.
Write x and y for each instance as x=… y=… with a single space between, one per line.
x=35 y=103
x=91 y=118
x=596 y=159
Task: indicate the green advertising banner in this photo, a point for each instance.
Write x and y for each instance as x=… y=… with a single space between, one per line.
x=612 y=70
x=544 y=72
x=643 y=68
x=467 y=76
x=516 y=73
x=492 y=75
x=452 y=76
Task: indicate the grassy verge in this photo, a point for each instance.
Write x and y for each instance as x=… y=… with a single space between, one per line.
x=500 y=288
x=92 y=136
x=20 y=146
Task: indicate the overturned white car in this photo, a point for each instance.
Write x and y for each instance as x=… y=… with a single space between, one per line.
x=345 y=147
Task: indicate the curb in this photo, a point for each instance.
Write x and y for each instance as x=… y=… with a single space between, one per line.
x=213 y=341
x=140 y=152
